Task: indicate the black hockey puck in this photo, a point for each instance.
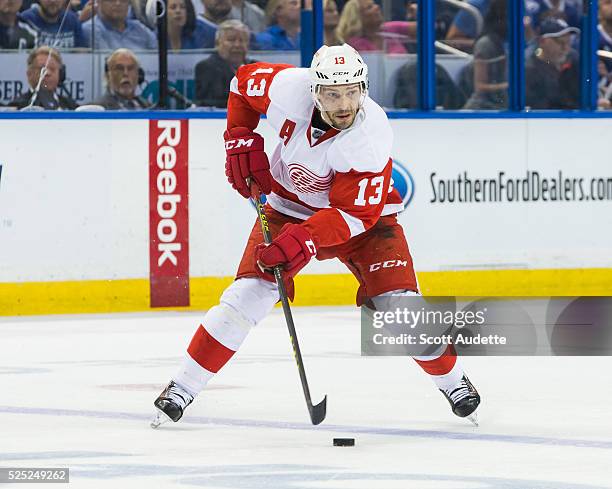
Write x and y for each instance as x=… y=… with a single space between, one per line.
x=344 y=442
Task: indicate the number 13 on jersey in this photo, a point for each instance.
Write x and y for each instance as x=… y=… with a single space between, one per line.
x=376 y=183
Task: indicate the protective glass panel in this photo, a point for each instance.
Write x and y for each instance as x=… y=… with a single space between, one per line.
x=552 y=55
x=472 y=55
x=604 y=55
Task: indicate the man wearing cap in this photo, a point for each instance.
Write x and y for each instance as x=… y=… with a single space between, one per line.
x=544 y=66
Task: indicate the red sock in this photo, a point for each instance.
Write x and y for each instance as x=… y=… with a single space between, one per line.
x=441 y=365
x=208 y=352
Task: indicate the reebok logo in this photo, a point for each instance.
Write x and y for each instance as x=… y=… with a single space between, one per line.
x=167 y=201
x=168 y=212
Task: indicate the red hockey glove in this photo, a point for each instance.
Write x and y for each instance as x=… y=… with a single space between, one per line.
x=293 y=249
x=246 y=159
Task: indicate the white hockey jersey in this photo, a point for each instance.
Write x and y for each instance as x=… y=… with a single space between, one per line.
x=339 y=182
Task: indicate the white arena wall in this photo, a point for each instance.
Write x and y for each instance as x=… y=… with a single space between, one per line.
x=78 y=223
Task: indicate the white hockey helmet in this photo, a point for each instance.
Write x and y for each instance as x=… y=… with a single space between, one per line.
x=337 y=65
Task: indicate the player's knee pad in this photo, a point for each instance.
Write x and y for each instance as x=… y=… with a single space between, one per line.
x=242 y=306
x=252 y=298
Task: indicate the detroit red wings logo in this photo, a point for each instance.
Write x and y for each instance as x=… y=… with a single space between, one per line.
x=308 y=182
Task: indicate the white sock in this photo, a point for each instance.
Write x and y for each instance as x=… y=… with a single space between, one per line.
x=191 y=376
x=450 y=380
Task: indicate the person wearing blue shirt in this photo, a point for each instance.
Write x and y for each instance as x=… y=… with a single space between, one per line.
x=464 y=24
x=184 y=30
x=605 y=30
x=114 y=30
x=538 y=10
x=46 y=17
x=283 y=32
x=14 y=33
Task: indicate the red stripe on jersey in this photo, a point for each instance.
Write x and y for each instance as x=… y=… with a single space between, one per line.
x=208 y=352
x=441 y=365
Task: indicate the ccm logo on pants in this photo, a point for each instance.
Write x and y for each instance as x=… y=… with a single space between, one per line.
x=388 y=264
x=168 y=213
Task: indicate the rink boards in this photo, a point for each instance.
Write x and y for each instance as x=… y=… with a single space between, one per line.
x=109 y=215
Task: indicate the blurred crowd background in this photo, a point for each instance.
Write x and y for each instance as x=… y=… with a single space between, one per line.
x=104 y=52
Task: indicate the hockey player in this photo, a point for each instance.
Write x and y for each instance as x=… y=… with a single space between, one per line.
x=329 y=196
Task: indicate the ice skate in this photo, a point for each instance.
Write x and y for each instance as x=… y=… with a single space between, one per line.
x=464 y=399
x=171 y=404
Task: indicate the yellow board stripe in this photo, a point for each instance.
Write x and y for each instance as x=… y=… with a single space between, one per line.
x=100 y=296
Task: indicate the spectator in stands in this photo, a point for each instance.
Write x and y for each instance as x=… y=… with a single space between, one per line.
x=361 y=26
x=491 y=62
x=448 y=96
x=14 y=33
x=217 y=11
x=605 y=31
x=47 y=96
x=464 y=24
x=250 y=14
x=87 y=11
x=114 y=30
x=543 y=67
x=214 y=74
x=122 y=74
x=184 y=30
x=283 y=32
x=537 y=11
x=46 y=17
x=330 y=22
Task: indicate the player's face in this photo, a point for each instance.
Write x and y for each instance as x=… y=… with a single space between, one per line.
x=340 y=104
x=123 y=75
x=51 y=79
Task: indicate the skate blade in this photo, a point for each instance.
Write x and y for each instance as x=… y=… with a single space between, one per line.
x=159 y=419
x=473 y=418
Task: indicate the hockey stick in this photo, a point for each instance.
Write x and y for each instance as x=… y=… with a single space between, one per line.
x=318 y=411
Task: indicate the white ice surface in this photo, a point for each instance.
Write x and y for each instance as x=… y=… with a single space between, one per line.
x=77 y=392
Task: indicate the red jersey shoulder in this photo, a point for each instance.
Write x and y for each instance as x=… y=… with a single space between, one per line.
x=254 y=81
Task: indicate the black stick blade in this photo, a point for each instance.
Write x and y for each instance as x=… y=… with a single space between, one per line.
x=318 y=412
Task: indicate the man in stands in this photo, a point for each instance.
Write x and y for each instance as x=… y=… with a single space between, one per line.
x=122 y=79
x=544 y=66
x=283 y=32
x=329 y=196
x=47 y=96
x=214 y=74
x=46 y=17
x=114 y=30
x=14 y=33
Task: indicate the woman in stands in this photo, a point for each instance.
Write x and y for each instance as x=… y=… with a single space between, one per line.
x=361 y=25
x=491 y=62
